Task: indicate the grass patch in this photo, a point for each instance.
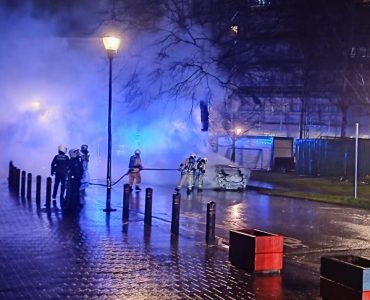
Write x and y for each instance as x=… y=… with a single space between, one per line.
x=324 y=189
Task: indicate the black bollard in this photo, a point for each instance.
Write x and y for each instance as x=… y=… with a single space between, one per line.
x=10 y=175
x=126 y=201
x=23 y=184
x=14 y=180
x=17 y=181
x=175 y=223
x=211 y=223
x=38 y=190
x=29 y=186
x=48 y=192
x=148 y=206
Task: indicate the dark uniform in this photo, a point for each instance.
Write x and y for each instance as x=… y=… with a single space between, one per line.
x=75 y=171
x=59 y=166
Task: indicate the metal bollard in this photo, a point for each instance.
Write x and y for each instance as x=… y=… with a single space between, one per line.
x=23 y=184
x=29 y=186
x=211 y=223
x=175 y=223
x=126 y=201
x=10 y=175
x=13 y=181
x=48 y=192
x=148 y=206
x=38 y=190
x=17 y=181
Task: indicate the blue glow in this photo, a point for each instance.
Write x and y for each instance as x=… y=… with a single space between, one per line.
x=265 y=140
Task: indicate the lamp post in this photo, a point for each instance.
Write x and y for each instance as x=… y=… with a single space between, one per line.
x=111 y=45
x=236 y=131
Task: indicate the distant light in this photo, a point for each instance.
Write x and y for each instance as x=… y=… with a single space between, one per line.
x=111 y=43
x=234 y=29
x=35 y=105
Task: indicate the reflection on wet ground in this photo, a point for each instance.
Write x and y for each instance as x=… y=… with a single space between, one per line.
x=100 y=256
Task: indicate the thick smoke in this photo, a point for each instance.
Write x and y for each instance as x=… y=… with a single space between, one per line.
x=54 y=90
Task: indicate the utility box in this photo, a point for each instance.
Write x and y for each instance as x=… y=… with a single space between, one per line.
x=256 y=250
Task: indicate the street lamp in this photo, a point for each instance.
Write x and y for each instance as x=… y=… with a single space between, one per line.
x=111 y=45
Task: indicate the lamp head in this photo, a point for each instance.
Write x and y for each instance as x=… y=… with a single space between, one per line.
x=111 y=44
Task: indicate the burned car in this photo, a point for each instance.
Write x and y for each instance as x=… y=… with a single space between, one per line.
x=231 y=177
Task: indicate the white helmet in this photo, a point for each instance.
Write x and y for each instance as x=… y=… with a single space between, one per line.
x=62 y=148
x=193 y=155
x=205 y=159
x=74 y=152
x=137 y=152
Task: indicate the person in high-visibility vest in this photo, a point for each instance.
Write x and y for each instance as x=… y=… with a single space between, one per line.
x=187 y=169
x=200 y=172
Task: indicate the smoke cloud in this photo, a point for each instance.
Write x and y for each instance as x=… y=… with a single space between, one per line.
x=54 y=90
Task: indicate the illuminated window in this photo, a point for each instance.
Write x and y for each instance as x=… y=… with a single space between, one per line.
x=360 y=52
x=259 y=2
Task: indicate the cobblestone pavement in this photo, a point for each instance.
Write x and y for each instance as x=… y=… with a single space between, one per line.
x=99 y=256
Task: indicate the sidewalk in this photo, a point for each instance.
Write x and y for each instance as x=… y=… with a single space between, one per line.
x=98 y=256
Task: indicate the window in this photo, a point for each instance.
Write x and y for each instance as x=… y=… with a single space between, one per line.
x=360 y=52
x=259 y=2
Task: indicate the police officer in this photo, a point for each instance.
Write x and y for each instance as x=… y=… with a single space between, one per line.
x=201 y=171
x=75 y=171
x=135 y=166
x=85 y=157
x=59 y=166
x=187 y=169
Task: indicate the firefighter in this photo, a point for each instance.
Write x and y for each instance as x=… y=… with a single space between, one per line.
x=75 y=171
x=201 y=171
x=187 y=169
x=135 y=166
x=59 y=166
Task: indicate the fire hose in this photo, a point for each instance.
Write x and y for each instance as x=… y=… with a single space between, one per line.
x=128 y=172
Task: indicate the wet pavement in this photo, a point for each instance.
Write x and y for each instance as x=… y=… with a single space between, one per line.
x=100 y=256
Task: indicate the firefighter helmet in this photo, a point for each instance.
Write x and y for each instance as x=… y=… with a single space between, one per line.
x=62 y=148
x=74 y=152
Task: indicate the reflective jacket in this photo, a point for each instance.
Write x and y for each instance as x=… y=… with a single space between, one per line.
x=135 y=163
x=188 y=165
x=201 y=165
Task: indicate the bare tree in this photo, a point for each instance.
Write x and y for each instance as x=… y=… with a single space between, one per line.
x=246 y=52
